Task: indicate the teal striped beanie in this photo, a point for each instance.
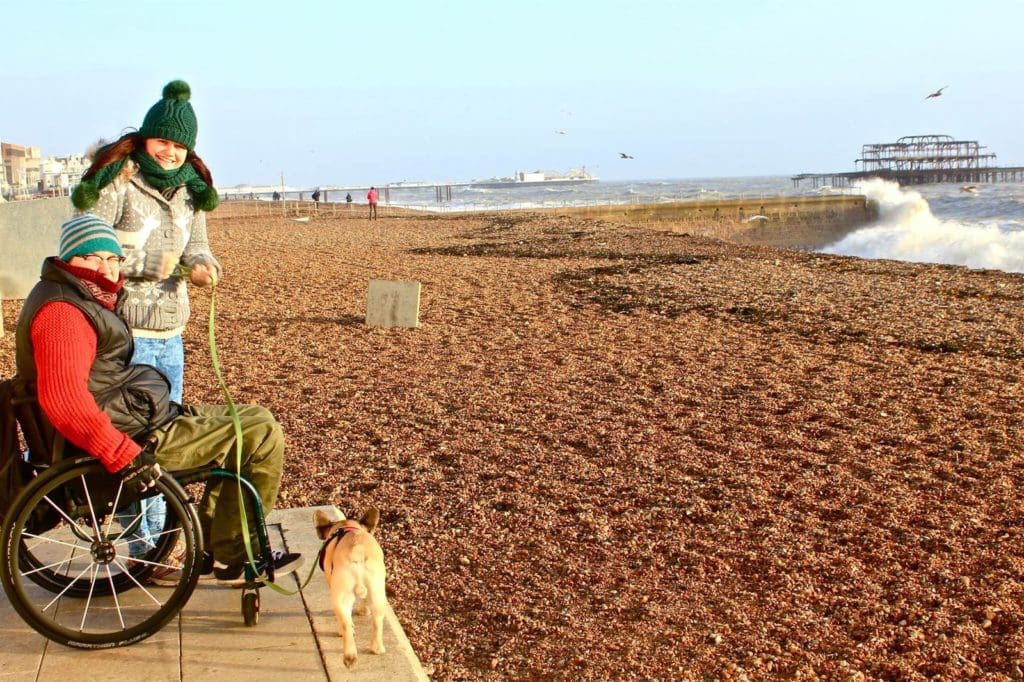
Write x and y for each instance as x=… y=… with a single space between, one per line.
x=87 y=234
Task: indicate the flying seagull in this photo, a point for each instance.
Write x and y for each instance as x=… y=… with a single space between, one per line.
x=624 y=155
x=937 y=93
x=559 y=132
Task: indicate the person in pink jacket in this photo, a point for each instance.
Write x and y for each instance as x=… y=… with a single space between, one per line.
x=371 y=197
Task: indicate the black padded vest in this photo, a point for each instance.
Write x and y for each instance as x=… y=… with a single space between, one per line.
x=136 y=397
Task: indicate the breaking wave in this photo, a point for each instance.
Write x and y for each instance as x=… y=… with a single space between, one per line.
x=907 y=230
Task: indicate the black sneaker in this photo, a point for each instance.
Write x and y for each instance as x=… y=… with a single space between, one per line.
x=206 y=566
x=234 y=576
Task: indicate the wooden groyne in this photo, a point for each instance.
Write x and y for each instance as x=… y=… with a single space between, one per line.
x=790 y=222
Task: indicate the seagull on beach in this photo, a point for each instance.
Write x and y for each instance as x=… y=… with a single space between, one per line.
x=624 y=155
x=937 y=93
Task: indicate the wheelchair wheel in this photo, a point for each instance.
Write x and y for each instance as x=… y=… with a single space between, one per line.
x=66 y=569
x=137 y=568
x=251 y=608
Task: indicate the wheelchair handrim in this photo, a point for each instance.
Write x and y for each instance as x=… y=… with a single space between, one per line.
x=102 y=616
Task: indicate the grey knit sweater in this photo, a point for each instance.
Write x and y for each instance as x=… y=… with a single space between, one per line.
x=147 y=225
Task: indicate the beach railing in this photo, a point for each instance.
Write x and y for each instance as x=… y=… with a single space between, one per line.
x=292 y=208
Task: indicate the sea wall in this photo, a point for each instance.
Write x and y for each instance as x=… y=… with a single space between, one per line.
x=791 y=222
x=29 y=232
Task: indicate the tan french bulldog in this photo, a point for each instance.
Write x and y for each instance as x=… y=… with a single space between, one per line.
x=353 y=564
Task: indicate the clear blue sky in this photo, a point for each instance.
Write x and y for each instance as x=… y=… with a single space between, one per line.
x=343 y=92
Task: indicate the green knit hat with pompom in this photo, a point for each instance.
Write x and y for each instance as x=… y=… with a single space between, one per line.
x=172 y=118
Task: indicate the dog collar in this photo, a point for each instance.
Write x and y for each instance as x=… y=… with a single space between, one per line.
x=335 y=535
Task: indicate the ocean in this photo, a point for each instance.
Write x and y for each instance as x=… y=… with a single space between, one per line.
x=926 y=223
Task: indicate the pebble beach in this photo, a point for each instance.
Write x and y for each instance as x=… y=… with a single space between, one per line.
x=616 y=452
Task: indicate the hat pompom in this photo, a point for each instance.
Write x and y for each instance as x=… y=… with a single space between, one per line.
x=178 y=90
x=85 y=195
x=207 y=199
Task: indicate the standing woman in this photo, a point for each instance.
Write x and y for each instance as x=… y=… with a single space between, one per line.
x=155 y=191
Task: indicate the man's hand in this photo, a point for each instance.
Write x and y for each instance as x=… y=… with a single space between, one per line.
x=142 y=472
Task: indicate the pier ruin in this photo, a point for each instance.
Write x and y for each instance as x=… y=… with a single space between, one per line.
x=920 y=160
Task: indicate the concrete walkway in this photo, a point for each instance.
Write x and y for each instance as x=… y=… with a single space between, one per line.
x=296 y=638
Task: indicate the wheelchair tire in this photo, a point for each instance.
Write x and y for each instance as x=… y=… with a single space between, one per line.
x=72 y=581
x=251 y=608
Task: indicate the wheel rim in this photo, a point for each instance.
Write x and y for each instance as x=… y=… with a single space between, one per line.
x=74 y=582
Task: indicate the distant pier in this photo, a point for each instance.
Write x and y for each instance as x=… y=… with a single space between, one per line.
x=920 y=160
x=915 y=177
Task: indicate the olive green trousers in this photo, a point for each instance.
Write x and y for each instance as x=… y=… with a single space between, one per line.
x=205 y=434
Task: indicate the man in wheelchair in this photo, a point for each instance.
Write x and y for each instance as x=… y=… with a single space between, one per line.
x=76 y=351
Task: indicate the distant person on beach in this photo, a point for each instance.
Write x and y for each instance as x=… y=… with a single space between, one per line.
x=155 y=191
x=371 y=197
x=348 y=199
x=316 y=195
x=277 y=196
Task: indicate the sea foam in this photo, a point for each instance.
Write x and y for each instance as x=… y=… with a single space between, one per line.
x=907 y=230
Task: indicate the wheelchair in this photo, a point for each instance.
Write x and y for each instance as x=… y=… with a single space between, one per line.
x=64 y=560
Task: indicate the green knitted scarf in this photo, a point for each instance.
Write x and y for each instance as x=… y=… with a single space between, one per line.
x=203 y=196
x=162 y=178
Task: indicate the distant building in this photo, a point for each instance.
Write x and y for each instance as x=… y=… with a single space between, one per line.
x=59 y=175
x=26 y=173
x=21 y=168
x=18 y=161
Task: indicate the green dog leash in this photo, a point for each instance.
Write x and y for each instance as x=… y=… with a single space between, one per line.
x=236 y=422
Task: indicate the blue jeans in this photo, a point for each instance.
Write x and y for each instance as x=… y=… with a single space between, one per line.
x=150 y=518
x=168 y=356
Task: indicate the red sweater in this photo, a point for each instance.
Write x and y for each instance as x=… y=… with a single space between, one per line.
x=64 y=348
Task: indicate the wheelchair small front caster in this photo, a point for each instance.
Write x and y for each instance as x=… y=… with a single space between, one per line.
x=251 y=607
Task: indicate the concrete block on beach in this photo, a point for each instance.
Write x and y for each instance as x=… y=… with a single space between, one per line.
x=393 y=303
